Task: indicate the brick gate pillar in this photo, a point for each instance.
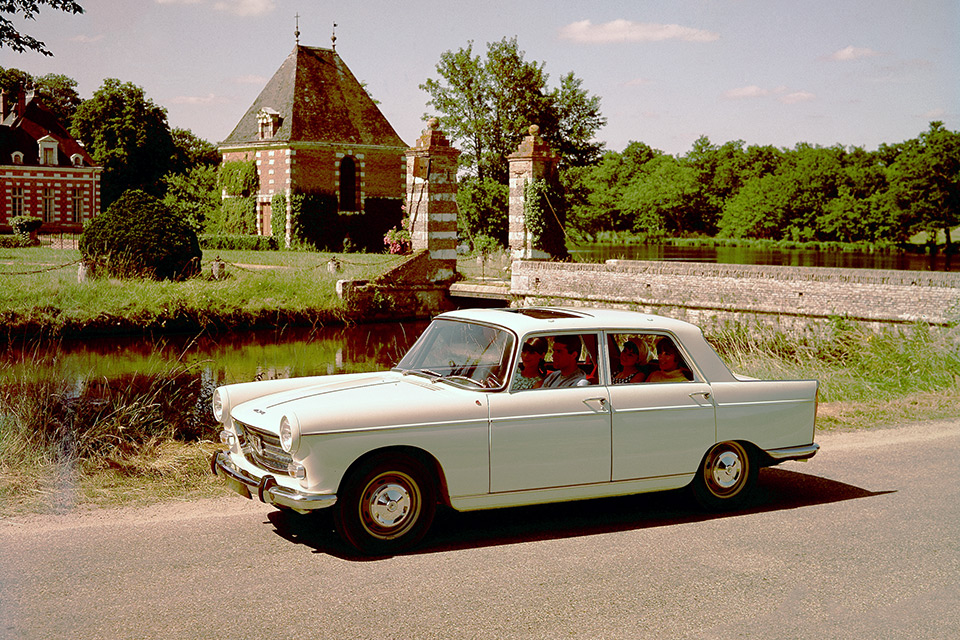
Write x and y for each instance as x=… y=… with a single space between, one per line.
x=533 y=160
x=431 y=201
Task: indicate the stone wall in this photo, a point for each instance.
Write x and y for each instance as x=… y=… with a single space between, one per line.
x=711 y=294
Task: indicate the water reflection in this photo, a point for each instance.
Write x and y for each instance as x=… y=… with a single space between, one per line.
x=222 y=358
x=600 y=252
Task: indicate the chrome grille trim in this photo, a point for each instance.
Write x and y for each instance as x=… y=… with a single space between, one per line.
x=263 y=448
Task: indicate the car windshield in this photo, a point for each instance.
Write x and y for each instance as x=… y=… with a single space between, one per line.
x=461 y=352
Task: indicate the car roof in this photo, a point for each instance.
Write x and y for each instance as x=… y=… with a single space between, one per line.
x=527 y=319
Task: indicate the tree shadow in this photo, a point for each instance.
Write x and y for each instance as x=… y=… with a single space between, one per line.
x=776 y=490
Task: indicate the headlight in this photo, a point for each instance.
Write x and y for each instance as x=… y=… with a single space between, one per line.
x=289 y=433
x=219 y=403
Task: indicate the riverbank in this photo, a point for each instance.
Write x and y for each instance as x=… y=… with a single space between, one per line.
x=40 y=294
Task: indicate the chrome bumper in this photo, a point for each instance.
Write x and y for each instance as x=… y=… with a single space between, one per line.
x=266 y=488
x=804 y=452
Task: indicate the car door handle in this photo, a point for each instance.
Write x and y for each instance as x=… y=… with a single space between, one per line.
x=705 y=394
x=601 y=401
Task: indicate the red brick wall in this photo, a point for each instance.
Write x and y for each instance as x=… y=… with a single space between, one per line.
x=62 y=180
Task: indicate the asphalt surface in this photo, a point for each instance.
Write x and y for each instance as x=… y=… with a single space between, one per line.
x=863 y=541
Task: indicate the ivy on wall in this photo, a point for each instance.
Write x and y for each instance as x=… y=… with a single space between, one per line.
x=239 y=178
x=543 y=217
x=278 y=217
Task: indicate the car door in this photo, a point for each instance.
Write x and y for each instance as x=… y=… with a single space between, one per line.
x=542 y=438
x=661 y=428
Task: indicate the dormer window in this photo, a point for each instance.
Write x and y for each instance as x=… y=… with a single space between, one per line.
x=48 y=150
x=76 y=160
x=268 y=122
x=17 y=157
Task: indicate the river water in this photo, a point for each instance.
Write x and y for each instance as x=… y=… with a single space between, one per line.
x=782 y=257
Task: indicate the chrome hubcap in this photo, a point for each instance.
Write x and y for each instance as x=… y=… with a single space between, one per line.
x=389 y=505
x=727 y=469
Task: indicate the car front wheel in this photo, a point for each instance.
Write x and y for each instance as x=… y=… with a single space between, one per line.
x=725 y=477
x=386 y=506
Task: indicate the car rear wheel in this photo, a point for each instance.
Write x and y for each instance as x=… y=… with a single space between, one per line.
x=386 y=506
x=725 y=477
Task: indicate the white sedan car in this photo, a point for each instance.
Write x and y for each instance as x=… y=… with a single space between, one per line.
x=505 y=407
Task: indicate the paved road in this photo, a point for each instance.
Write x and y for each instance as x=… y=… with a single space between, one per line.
x=863 y=541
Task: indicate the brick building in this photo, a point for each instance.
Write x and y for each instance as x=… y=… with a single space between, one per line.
x=313 y=128
x=44 y=172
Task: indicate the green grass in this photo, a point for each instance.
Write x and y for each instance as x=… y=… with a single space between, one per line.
x=39 y=292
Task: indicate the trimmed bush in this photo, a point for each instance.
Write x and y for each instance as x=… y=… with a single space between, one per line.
x=139 y=237
x=25 y=228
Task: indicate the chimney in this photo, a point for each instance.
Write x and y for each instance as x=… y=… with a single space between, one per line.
x=3 y=105
x=21 y=102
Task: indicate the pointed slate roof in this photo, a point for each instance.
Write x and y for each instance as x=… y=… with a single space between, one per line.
x=319 y=100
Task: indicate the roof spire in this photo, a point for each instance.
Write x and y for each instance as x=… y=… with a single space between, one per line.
x=333 y=37
x=296 y=33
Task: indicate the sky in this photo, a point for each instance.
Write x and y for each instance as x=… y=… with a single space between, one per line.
x=767 y=72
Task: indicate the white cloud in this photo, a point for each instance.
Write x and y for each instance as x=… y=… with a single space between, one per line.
x=246 y=8
x=752 y=91
x=585 y=32
x=852 y=53
x=782 y=93
x=199 y=100
x=797 y=96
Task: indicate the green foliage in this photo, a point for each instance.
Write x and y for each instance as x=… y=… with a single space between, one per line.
x=278 y=217
x=544 y=216
x=191 y=151
x=239 y=178
x=11 y=37
x=482 y=205
x=127 y=134
x=57 y=92
x=240 y=243
x=237 y=215
x=193 y=196
x=487 y=104
x=312 y=216
x=24 y=227
x=139 y=237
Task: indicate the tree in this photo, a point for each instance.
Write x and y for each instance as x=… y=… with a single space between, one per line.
x=191 y=151
x=58 y=92
x=482 y=203
x=487 y=105
x=128 y=135
x=925 y=182
x=20 y=42
x=193 y=196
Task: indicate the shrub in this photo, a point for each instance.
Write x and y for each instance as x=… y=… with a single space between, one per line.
x=25 y=227
x=139 y=237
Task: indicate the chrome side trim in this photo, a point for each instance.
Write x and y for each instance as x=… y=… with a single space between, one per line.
x=267 y=488
x=803 y=452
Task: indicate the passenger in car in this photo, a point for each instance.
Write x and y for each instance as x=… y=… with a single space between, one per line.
x=670 y=361
x=566 y=353
x=629 y=365
x=530 y=373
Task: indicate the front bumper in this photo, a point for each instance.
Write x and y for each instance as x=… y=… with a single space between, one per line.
x=266 y=488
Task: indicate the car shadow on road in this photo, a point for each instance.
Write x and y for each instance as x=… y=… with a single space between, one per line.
x=776 y=490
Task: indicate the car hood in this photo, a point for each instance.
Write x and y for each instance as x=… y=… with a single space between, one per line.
x=375 y=400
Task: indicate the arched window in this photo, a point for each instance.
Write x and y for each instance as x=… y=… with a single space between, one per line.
x=348 y=184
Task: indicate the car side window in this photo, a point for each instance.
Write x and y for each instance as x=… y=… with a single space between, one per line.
x=641 y=358
x=570 y=360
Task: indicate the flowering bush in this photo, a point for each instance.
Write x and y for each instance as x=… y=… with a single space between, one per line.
x=398 y=240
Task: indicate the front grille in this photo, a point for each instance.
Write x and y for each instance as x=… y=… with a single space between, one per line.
x=263 y=448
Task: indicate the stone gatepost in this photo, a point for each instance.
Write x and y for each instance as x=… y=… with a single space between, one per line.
x=533 y=160
x=432 y=200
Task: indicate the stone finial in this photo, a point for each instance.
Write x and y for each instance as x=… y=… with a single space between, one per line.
x=433 y=124
x=534 y=130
